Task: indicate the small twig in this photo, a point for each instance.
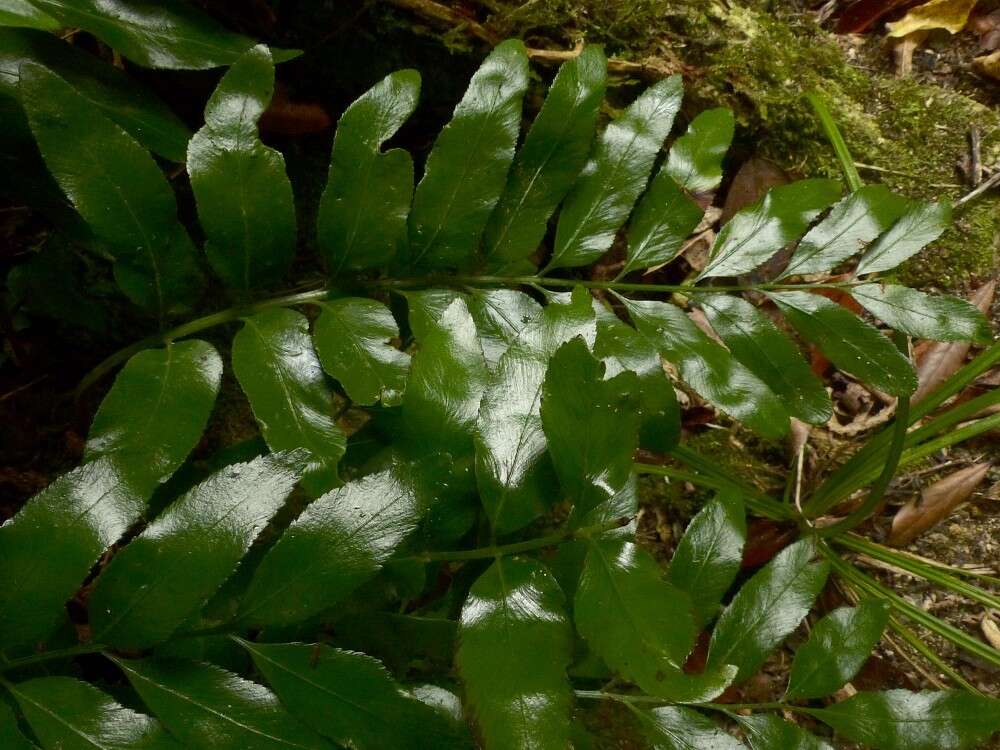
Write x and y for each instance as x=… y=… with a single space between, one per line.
x=443 y=14
x=432 y=11
x=825 y=11
x=651 y=68
x=975 y=157
x=798 y=480
x=20 y=388
x=885 y=170
x=985 y=185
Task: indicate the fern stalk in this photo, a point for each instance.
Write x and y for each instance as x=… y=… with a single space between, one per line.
x=232 y=314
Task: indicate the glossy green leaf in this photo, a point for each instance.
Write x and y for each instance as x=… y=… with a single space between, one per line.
x=903 y=720
x=362 y=214
x=838 y=646
x=467 y=168
x=708 y=556
x=923 y=316
x=770 y=355
x=849 y=342
x=695 y=159
x=47 y=549
x=708 y=368
x=757 y=232
x=204 y=706
x=447 y=379
x=399 y=639
x=664 y=218
x=615 y=176
x=11 y=737
x=166 y=574
x=591 y=425
x=918 y=227
x=156 y=35
x=117 y=188
x=425 y=308
x=67 y=714
x=769 y=732
x=123 y=101
x=340 y=541
x=353 y=338
x=513 y=472
x=638 y=623
x=566 y=562
x=851 y=224
x=677 y=728
x=514 y=616
x=553 y=153
x=500 y=316
x=623 y=505
x=156 y=411
x=21 y=13
x=351 y=699
x=767 y=609
x=244 y=198
x=622 y=348
x=277 y=368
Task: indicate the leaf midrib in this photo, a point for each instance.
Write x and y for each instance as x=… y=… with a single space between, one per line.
x=207 y=709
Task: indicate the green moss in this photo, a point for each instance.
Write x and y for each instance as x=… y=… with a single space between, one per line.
x=751 y=457
x=914 y=133
x=760 y=61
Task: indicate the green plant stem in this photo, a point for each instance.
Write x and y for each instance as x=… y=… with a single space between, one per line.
x=921 y=570
x=868 y=471
x=610 y=284
x=231 y=314
x=528 y=545
x=196 y=326
x=709 y=475
x=601 y=695
x=917 y=644
x=910 y=611
x=63 y=653
x=950 y=387
x=912 y=563
x=832 y=133
x=855 y=473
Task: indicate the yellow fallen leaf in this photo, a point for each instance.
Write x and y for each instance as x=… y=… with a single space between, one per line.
x=988 y=65
x=937 y=14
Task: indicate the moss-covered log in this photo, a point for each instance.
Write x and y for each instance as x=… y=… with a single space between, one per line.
x=760 y=59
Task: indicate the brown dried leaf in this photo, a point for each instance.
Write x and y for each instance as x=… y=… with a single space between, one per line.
x=937 y=14
x=863 y=14
x=935 y=503
x=699 y=318
x=751 y=182
x=988 y=65
x=290 y=118
x=991 y=631
x=695 y=250
x=765 y=539
x=938 y=361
